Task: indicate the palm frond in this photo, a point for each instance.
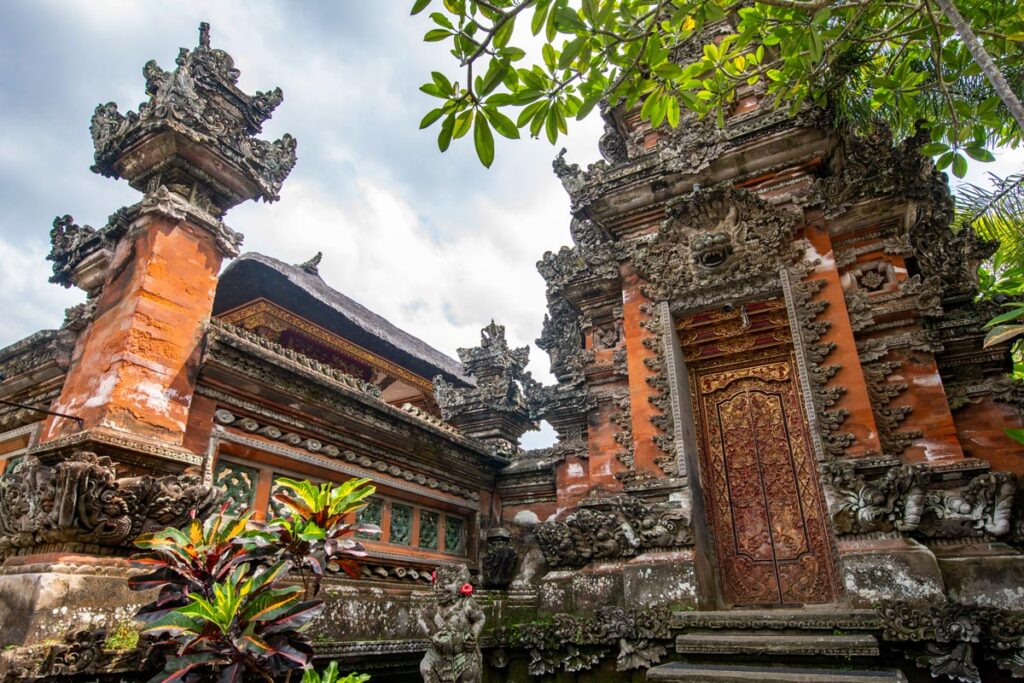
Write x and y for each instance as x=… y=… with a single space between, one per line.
x=996 y=212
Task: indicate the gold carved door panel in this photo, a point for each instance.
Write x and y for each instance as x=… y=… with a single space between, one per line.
x=766 y=510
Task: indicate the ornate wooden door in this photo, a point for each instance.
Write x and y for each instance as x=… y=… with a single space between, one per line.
x=763 y=498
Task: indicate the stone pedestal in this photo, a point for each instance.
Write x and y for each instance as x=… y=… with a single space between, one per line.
x=880 y=570
x=42 y=601
x=987 y=574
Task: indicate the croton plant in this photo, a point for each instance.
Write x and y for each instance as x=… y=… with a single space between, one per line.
x=226 y=609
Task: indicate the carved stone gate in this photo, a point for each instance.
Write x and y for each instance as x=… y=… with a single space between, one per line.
x=766 y=514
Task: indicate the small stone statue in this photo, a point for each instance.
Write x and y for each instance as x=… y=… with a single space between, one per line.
x=453 y=624
x=499 y=562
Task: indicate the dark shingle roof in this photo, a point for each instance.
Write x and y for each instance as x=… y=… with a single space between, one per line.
x=253 y=276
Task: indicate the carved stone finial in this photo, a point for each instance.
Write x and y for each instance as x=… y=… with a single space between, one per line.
x=453 y=624
x=495 y=410
x=196 y=134
x=312 y=266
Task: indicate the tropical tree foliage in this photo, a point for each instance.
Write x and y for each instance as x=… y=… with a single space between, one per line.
x=997 y=213
x=875 y=60
x=224 y=608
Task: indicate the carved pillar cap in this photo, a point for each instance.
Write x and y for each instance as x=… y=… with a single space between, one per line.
x=164 y=202
x=196 y=134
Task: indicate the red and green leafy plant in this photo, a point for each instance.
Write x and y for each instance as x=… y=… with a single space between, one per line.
x=331 y=675
x=224 y=608
x=317 y=528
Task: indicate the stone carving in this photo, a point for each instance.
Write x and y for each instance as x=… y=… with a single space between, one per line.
x=293 y=356
x=622 y=418
x=81 y=500
x=614 y=527
x=662 y=400
x=495 y=410
x=612 y=145
x=160 y=199
x=30 y=353
x=715 y=244
x=562 y=338
x=312 y=266
x=592 y=258
x=225 y=417
x=80 y=652
x=888 y=418
x=951 y=256
x=858 y=306
x=905 y=498
x=892 y=501
x=453 y=624
x=574 y=643
x=871 y=166
x=946 y=638
x=81 y=253
x=498 y=565
x=199 y=101
x=824 y=394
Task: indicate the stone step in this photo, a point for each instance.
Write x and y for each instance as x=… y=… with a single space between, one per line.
x=817 y=619
x=775 y=643
x=683 y=672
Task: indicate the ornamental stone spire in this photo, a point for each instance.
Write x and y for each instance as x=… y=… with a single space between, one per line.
x=495 y=410
x=196 y=134
x=151 y=273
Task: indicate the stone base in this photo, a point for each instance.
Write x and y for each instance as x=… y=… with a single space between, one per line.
x=661 y=579
x=768 y=644
x=654 y=579
x=40 y=603
x=989 y=574
x=881 y=570
x=683 y=672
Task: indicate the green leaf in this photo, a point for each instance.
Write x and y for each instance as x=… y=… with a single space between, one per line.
x=1016 y=434
x=502 y=123
x=959 y=165
x=672 y=112
x=444 y=138
x=570 y=52
x=540 y=15
x=463 y=123
x=1002 y=333
x=567 y=21
x=419 y=6
x=1015 y=313
x=504 y=32
x=436 y=34
x=529 y=112
x=934 y=148
x=979 y=154
x=483 y=140
x=588 y=105
x=551 y=123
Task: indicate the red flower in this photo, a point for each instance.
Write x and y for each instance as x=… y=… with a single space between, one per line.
x=466 y=589
x=433 y=576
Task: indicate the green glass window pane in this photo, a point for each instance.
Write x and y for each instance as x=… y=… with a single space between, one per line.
x=454 y=535
x=428 y=529
x=238 y=484
x=373 y=513
x=401 y=524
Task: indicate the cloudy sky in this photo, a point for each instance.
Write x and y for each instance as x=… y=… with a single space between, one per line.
x=434 y=242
